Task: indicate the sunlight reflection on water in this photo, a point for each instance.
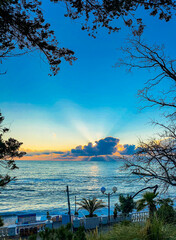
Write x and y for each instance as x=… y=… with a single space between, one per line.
x=40 y=186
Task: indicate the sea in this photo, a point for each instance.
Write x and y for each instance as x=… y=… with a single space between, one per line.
x=40 y=186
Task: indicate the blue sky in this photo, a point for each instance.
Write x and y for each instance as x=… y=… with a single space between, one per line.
x=84 y=102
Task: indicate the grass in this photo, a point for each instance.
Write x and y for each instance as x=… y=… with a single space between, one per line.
x=150 y=231
x=153 y=229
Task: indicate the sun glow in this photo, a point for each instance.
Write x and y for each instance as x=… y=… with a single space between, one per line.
x=94 y=170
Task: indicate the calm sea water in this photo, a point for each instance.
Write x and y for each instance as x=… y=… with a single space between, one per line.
x=41 y=185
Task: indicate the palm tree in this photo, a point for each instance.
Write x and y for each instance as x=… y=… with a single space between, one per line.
x=148 y=200
x=91 y=205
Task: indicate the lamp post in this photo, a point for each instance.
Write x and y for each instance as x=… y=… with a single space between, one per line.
x=68 y=199
x=103 y=190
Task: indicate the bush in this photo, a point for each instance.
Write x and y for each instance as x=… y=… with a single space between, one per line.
x=154 y=229
x=127 y=204
x=124 y=232
x=171 y=231
x=118 y=232
x=79 y=234
x=32 y=237
x=94 y=235
x=1 y=222
x=125 y=223
x=63 y=233
x=166 y=212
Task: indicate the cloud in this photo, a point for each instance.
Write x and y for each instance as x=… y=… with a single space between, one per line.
x=128 y=149
x=106 y=146
x=103 y=158
x=106 y=149
x=43 y=153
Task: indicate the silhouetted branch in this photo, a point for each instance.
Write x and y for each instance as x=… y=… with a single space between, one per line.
x=154 y=187
x=140 y=56
x=106 y=13
x=23 y=29
x=156 y=159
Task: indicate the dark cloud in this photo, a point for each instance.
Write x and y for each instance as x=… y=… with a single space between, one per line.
x=129 y=149
x=106 y=146
x=102 y=158
x=105 y=149
x=43 y=153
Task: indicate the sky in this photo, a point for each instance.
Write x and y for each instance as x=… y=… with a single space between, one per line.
x=84 y=103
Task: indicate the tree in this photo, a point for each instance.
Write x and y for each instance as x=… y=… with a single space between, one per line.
x=91 y=205
x=1 y=222
x=23 y=29
x=138 y=55
x=127 y=204
x=105 y=13
x=9 y=149
x=166 y=211
x=156 y=159
x=48 y=216
x=149 y=201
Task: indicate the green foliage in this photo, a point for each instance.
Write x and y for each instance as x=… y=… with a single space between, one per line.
x=79 y=234
x=166 y=212
x=23 y=28
x=149 y=201
x=171 y=232
x=127 y=204
x=48 y=215
x=154 y=229
x=32 y=237
x=124 y=232
x=1 y=222
x=118 y=232
x=125 y=223
x=9 y=149
x=95 y=235
x=91 y=205
x=63 y=233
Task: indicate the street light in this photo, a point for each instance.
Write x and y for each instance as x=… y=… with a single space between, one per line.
x=103 y=190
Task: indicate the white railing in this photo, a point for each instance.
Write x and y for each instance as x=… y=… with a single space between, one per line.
x=88 y=223
x=139 y=216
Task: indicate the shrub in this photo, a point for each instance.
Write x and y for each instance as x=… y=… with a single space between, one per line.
x=95 y=235
x=32 y=237
x=1 y=222
x=171 y=232
x=125 y=232
x=62 y=233
x=127 y=204
x=125 y=223
x=80 y=234
x=154 y=229
x=166 y=212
